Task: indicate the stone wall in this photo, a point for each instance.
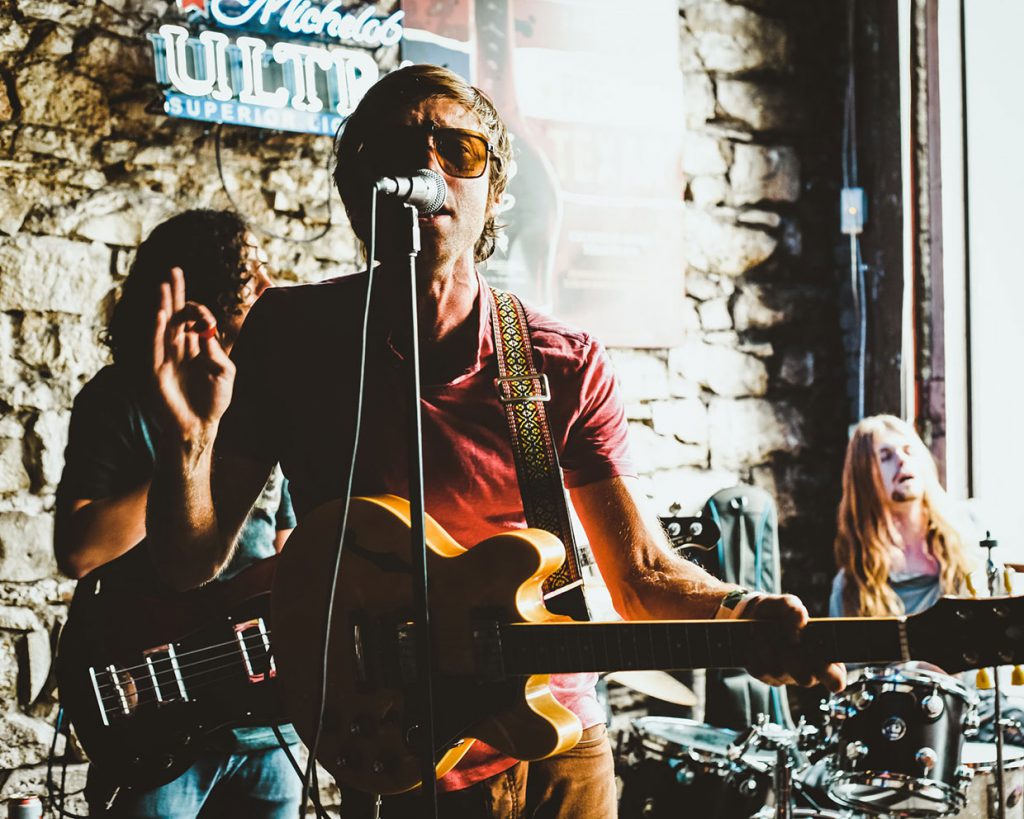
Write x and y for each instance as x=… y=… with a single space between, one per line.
x=754 y=394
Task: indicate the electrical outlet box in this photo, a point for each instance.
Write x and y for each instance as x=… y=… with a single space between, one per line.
x=852 y=210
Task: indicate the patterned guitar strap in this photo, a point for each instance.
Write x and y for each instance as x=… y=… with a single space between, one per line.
x=523 y=393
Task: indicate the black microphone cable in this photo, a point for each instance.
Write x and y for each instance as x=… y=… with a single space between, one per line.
x=329 y=616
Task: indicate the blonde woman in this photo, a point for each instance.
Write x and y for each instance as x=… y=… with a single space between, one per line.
x=896 y=548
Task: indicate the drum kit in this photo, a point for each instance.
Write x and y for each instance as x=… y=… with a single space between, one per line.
x=892 y=744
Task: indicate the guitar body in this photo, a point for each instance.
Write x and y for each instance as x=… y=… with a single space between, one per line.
x=370 y=731
x=144 y=678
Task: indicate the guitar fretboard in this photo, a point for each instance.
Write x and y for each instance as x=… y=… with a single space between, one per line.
x=562 y=648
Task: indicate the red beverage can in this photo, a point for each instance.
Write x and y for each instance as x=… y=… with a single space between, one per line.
x=24 y=807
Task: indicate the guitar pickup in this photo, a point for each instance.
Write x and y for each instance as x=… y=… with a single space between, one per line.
x=487 y=654
x=165 y=674
x=254 y=647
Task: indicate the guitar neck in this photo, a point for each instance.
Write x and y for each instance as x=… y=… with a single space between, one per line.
x=546 y=648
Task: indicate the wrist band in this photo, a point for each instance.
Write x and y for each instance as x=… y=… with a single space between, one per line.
x=734 y=603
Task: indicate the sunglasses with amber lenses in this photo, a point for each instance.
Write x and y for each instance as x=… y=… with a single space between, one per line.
x=459 y=151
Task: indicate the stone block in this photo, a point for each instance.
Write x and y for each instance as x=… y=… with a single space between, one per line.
x=124 y=229
x=682 y=387
x=638 y=411
x=758 y=106
x=17 y=618
x=37 y=346
x=707 y=191
x=717 y=246
x=758 y=218
x=26 y=549
x=60 y=143
x=49 y=273
x=652 y=452
x=35 y=659
x=26 y=740
x=642 y=375
x=54 y=97
x=685 y=419
x=703 y=286
x=47 y=438
x=79 y=350
x=13 y=475
x=705 y=155
x=714 y=314
x=13 y=36
x=59 y=42
x=13 y=209
x=698 y=99
x=8 y=670
x=688 y=487
x=746 y=432
x=758 y=307
x=761 y=173
x=733 y=39
x=74 y=13
x=723 y=370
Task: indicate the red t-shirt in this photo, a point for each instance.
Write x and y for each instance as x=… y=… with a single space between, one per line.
x=295 y=399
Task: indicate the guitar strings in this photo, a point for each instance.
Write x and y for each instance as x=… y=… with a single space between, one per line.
x=183 y=670
x=190 y=653
x=196 y=679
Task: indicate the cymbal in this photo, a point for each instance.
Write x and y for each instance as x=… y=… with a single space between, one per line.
x=655 y=684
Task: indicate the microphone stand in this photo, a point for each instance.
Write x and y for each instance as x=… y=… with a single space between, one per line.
x=992 y=571
x=424 y=677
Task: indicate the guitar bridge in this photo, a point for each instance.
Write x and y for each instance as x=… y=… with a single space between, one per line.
x=254 y=645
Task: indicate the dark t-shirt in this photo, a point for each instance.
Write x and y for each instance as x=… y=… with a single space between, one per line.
x=111 y=450
x=308 y=338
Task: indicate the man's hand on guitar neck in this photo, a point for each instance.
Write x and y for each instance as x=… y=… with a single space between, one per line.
x=648 y=582
x=785 y=664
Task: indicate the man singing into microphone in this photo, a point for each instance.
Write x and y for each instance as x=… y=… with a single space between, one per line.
x=308 y=340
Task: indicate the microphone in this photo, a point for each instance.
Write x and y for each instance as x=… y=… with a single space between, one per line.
x=425 y=190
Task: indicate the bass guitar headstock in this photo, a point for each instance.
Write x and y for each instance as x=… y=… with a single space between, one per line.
x=958 y=634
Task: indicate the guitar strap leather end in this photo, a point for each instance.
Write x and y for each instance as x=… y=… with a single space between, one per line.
x=523 y=393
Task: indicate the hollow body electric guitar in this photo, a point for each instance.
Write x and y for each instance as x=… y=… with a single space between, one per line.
x=495 y=643
x=146 y=677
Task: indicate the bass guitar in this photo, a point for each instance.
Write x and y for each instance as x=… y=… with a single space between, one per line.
x=495 y=643
x=146 y=677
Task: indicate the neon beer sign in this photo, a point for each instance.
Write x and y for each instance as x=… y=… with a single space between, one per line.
x=290 y=65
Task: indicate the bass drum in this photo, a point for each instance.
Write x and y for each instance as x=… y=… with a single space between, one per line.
x=896 y=736
x=673 y=767
x=980 y=758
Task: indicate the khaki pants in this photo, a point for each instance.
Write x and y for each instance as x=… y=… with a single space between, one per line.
x=579 y=784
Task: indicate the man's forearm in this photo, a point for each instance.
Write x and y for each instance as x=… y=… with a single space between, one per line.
x=184 y=537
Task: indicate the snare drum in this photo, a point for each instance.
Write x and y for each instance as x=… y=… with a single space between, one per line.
x=980 y=758
x=674 y=767
x=897 y=735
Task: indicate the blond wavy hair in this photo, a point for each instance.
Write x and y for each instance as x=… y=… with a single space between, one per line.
x=866 y=531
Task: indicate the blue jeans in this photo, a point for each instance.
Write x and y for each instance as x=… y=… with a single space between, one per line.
x=258 y=784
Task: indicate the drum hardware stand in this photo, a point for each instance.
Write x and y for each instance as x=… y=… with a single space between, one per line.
x=992 y=573
x=787 y=743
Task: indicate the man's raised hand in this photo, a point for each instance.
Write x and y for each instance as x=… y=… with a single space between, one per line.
x=194 y=376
